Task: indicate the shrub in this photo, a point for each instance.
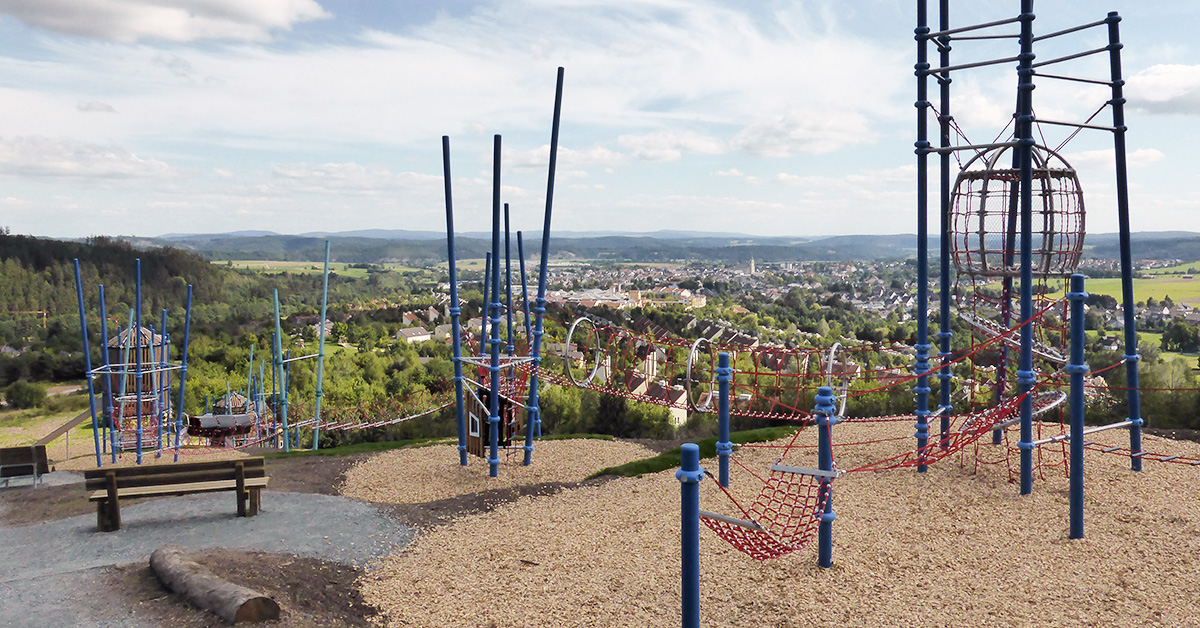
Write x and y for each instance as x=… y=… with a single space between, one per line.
x=22 y=394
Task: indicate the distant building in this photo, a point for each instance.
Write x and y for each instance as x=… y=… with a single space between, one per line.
x=413 y=335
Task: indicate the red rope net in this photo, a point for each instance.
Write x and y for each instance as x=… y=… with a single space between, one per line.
x=973 y=426
x=784 y=518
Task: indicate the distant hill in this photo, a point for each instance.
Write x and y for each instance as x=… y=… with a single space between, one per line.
x=384 y=245
x=422 y=247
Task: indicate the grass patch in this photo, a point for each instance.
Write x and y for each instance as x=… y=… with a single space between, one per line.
x=360 y=448
x=576 y=436
x=1179 y=289
x=708 y=449
x=367 y=448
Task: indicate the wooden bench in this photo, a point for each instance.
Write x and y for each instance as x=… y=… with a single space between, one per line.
x=106 y=487
x=23 y=462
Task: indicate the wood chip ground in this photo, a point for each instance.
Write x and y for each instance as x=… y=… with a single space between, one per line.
x=957 y=546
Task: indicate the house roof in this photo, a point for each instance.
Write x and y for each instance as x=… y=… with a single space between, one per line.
x=127 y=338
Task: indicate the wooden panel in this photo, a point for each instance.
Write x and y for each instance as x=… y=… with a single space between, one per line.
x=171 y=476
x=20 y=461
x=179 y=489
x=177 y=467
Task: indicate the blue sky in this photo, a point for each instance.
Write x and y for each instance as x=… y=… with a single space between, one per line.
x=146 y=117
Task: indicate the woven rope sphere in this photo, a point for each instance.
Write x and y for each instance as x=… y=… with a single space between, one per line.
x=986 y=221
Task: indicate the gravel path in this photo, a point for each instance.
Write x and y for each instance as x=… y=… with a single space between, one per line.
x=46 y=570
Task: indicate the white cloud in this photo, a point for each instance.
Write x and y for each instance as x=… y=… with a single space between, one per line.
x=803 y=131
x=568 y=159
x=95 y=107
x=171 y=20
x=345 y=178
x=45 y=157
x=670 y=145
x=1166 y=89
x=1104 y=158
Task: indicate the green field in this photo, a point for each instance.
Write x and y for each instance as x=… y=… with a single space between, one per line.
x=1180 y=290
x=1180 y=269
x=273 y=267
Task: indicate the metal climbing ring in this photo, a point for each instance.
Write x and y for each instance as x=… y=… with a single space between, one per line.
x=596 y=358
x=687 y=381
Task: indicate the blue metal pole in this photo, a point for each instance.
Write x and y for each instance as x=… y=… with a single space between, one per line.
x=1006 y=292
x=533 y=424
x=540 y=305
x=922 y=365
x=455 y=310
x=944 y=333
x=162 y=394
x=282 y=400
x=1024 y=126
x=1077 y=369
x=689 y=475
x=524 y=291
x=321 y=352
x=166 y=394
x=183 y=370
x=249 y=375
x=1131 y=353
x=494 y=320
x=108 y=396
x=259 y=397
x=287 y=386
x=724 y=447
x=483 y=314
x=825 y=409
x=138 y=356
x=274 y=391
x=87 y=363
x=508 y=280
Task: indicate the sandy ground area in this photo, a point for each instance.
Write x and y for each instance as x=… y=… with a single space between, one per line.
x=425 y=474
x=955 y=546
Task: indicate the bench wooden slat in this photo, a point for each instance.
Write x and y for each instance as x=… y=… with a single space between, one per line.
x=108 y=486
x=177 y=467
x=178 y=489
x=172 y=476
x=25 y=461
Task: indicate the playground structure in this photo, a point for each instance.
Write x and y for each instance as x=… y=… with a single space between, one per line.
x=1019 y=223
x=501 y=373
x=136 y=410
x=144 y=418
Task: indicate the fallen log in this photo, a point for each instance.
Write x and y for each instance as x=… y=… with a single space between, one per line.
x=232 y=603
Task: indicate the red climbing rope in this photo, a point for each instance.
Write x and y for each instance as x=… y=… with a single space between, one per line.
x=784 y=518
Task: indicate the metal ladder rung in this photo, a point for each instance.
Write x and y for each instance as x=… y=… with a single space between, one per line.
x=1139 y=454
x=817 y=473
x=742 y=523
x=1168 y=458
x=1111 y=449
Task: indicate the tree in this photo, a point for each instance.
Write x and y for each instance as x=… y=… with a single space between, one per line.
x=22 y=394
x=610 y=416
